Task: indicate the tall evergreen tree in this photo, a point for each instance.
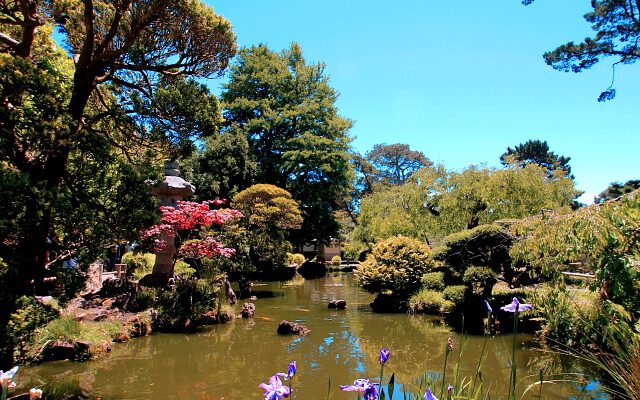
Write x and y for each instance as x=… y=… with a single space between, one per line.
x=286 y=109
x=536 y=152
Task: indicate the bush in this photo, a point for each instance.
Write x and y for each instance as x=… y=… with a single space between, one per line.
x=183 y=270
x=429 y=302
x=395 y=266
x=455 y=294
x=295 y=259
x=180 y=307
x=139 y=264
x=483 y=245
x=336 y=260
x=433 y=281
x=23 y=322
x=480 y=280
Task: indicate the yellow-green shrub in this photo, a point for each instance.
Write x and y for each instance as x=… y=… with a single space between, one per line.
x=395 y=266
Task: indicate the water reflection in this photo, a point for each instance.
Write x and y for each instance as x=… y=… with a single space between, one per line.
x=230 y=361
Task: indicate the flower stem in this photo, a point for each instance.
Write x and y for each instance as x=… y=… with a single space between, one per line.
x=512 y=380
x=444 y=371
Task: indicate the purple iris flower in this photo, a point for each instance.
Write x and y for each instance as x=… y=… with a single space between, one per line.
x=359 y=385
x=291 y=371
x=370 y=392
x=384 y=355
x=275 y=390
x=489 y=309
x=428 y=395
x=516 y=307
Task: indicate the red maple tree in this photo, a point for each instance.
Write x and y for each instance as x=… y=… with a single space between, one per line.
x=185 y=223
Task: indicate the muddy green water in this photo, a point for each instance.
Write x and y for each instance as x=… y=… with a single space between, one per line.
x=230 y=361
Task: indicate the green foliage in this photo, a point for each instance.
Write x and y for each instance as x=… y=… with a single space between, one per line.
x=536 y=152
x=224 y=167
x=295 y=259
x=395 y=265
x=260 y=238
x=139 y=264
x=435 y=203
x=181 y=306
x=617 y=35
x=70 y=331
x=480 y=280
x=285 y=108
x=336 y=260
x=395 y=163
x=617 y=189
x=601 y=238
x=485 y=245
x=430 y=302
x=29 y=316
x=456 y=294
x=565 y=319
x=433 y=281
x=267 y=207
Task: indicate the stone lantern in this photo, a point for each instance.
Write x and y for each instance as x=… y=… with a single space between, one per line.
x=171 y=189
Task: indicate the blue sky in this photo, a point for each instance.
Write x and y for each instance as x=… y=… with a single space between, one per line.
x=460 y=80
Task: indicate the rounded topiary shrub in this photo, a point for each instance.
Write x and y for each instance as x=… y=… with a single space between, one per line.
x=336 y=260
x=480 y=280
x=433 y=281
x=455 y=294
x=395 y=266
x=295 y=259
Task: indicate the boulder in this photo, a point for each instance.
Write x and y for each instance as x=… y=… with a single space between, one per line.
x=338 y=304
x=248 y=309
x=288 y=328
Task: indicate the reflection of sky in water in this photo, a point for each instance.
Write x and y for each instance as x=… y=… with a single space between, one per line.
x=229 y=361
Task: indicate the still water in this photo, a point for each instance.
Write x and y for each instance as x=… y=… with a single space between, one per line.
x=230 y=361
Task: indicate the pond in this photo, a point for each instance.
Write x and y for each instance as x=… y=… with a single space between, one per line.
x=230 y=361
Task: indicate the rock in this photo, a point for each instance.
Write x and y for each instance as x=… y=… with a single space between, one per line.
x=287 y=328
x=248 y=309
x=338 y=304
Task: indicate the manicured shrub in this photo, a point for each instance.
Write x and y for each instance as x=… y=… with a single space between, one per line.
x=336 y=260
x=455 y=294
x=484 y=245
x=429 y=302
x=433 y=281
x=480 y=280
x=295 y=259
x=139 y=264
x=395 y=266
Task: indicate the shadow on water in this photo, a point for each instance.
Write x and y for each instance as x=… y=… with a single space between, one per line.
x=230 y=361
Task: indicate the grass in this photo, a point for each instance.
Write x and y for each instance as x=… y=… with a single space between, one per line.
x=71 y=331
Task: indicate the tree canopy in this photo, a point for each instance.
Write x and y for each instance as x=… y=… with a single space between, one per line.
x=617 y=27
x=435 y=202
x=285 y=108
x=119 y=93
x=536 y=152
x=617 y=189
x=395 y=163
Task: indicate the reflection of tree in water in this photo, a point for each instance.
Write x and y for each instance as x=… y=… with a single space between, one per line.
x=231 y=360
